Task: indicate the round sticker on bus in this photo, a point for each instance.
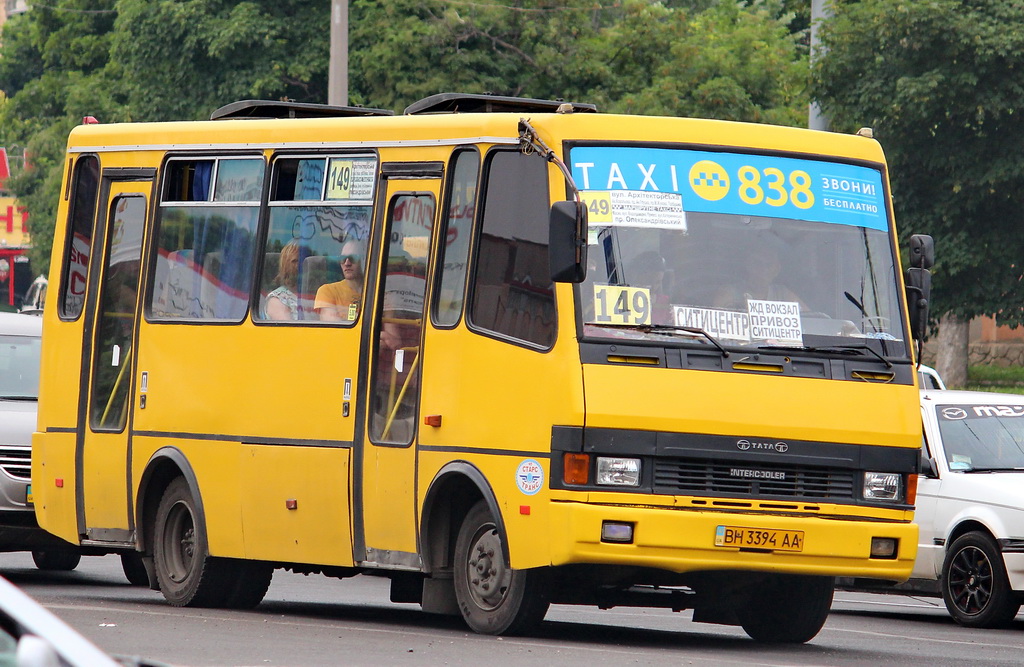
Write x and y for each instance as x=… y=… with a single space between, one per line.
x=529 y=477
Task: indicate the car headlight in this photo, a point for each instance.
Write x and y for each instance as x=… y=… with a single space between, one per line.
x=883 y=486
x=616 y=471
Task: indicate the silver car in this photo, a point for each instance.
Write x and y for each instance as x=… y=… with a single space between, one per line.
x=20 y=338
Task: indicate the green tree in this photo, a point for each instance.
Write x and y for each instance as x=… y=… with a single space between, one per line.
x=711 y=58
x=181 y=60
x=942 y=84
x=732 y=61
x=52 y=73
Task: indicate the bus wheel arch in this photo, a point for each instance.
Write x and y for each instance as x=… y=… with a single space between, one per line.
x=163 y=467
x=455 y=489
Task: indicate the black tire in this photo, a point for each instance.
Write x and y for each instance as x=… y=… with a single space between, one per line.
x=787 y=609
x=134 y=570
x=57 y=559
x=187 y=574
x=494 y=599
x=974 y=584
x=250 y=583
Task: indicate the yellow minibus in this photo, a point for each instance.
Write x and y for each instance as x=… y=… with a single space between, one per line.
x=506 y=352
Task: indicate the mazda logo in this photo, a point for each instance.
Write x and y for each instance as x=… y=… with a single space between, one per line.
x=954 y=413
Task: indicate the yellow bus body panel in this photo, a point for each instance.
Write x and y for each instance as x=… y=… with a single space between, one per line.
x=751 y=405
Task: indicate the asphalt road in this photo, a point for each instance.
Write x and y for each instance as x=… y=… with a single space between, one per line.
x=316 y=621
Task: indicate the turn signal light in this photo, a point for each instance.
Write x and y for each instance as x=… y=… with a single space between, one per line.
x=576 y=468
x=911 y=489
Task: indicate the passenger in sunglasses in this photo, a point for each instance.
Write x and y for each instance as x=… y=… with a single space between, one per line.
x=339 y=302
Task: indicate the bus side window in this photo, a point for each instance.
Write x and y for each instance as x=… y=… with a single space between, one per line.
x=208 y=214
x=314 y=221
x=78 y=244
x=512 y=291
x=455 y=236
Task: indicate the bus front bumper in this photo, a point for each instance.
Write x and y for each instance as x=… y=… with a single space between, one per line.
x=685 y=541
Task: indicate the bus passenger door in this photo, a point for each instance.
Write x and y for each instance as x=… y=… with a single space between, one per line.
x=105 y=402
x=388 y=484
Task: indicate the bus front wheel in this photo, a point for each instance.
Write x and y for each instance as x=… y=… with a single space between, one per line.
x=787 y=609
x=494 y=599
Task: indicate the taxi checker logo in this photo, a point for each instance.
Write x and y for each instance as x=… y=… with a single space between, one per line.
x=709 y=180
x=529 y=477
x=954 y=413
x=746 y=445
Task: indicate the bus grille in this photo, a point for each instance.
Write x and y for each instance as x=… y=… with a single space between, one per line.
x=693 y=476
x=16 y=461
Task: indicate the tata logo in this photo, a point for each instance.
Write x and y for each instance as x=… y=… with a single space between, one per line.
x=747 y=445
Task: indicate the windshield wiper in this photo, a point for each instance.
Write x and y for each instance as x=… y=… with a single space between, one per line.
x=1019 y=469
x=666 y=328
x=831 y=349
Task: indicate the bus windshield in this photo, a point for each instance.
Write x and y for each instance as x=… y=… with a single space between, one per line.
x=752 y=250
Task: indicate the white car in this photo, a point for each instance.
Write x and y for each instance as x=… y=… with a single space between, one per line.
x=970 y=507
x=970 y=503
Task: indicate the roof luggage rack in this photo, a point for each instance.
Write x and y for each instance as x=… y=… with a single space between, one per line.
x=276 y=109
x=469 y=103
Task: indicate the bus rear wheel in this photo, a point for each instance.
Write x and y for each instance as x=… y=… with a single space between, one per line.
x=787 y=609
x=187 y=574
x=494 y=599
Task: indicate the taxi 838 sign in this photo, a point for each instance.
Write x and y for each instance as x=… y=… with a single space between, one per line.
x=734 y=183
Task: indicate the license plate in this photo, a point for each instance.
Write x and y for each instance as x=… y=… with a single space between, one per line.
x=28 y=494
x=759 y=538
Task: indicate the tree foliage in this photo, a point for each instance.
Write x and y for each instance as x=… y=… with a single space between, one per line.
x=942 y=84
x=145 y=60
x=182 y=60
x=717 y=59
x=52 y=73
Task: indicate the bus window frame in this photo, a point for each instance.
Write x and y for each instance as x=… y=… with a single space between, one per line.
x=471 y=278
x=440 y=249
x=268 y=204
x=748 y=149
x=381 y=276
x=69 y=234
x=159 y=204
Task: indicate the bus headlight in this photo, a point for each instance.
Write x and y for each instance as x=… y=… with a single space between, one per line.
x=883 y=486
x=615 y=471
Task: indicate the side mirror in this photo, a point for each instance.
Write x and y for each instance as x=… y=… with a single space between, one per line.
x=33 y=650
x=928 y=468
x=919 y=289
x=919 y=283
x=567 y=242
x=922 y=251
